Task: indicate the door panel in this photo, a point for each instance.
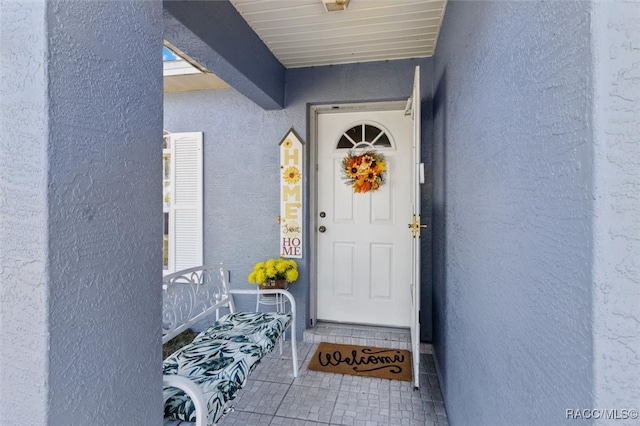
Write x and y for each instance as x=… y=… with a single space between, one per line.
x=344 y=269
x=343 y=202
x=382 y=270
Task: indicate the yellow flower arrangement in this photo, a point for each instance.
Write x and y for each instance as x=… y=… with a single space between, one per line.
x=365 y=172
x=291 y=175
x=274 y=270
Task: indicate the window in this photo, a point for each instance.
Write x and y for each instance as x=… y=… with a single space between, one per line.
x=166 y=195
x=364 y=136
x=182 y=206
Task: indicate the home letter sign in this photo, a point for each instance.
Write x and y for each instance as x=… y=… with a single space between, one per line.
x=291 y=195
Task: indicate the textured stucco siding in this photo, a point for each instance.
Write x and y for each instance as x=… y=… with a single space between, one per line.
x=512 y=211
x=241 y=178
x=616 y=222
x=80 y=184
x=241 y=158
x=104 y=192
x=23 y=214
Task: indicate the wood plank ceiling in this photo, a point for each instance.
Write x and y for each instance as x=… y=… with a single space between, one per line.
x=301 y=33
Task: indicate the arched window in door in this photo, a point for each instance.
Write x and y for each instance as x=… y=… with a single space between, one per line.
x=364 y=135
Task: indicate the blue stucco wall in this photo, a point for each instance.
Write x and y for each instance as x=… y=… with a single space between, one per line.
x=79 y=249
x=241 y=158
x=616 y=213
x=23 y=216
x=512 y=212
x=241 y=177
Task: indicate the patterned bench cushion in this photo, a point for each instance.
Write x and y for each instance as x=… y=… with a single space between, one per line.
x=220 y=359
x=219 y=367
x=259 y=328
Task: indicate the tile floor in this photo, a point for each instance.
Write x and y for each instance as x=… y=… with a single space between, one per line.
x=273 y=397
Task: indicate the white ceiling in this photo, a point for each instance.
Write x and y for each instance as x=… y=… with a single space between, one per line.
x=300 y=33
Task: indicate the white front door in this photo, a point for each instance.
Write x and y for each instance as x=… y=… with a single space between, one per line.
x=364 y=245
x=416 y=226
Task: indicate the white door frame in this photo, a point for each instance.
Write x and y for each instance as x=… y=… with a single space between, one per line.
x=314 y=111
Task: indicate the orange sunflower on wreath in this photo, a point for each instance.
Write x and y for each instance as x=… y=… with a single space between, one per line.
x=364 y=172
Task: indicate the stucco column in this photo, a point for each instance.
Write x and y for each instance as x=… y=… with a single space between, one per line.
x=80 y=203
x=616 y=210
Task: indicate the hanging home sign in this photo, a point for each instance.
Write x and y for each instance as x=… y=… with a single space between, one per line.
x=291 y=195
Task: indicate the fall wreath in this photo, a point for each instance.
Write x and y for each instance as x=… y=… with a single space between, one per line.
x=364 y=172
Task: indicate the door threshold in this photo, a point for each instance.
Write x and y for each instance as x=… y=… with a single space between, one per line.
x=362 y=335
x=359 y=326
x=359 y=334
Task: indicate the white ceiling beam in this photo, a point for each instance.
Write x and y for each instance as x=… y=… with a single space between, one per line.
x=405 y=40
x=316 y=63
x=419 y=48
x=296 y=27
x=353 y=38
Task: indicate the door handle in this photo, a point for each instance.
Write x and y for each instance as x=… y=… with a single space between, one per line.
x=322 y=229
x=415 y=226
x=411 y=226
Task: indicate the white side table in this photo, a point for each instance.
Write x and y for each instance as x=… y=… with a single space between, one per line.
x=277 y=300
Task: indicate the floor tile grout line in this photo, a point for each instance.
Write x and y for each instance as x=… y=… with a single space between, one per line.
x=389 y=405
x=289 y=386
x=281 y=402
x=336 y=401
x=310 y=354
x=297 y=418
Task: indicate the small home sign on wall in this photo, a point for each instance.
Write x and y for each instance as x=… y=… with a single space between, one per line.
x=291 y=173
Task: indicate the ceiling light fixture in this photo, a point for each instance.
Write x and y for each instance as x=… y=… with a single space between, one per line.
x=335 y=5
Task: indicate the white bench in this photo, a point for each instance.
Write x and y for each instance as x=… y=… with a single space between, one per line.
x=201 y=378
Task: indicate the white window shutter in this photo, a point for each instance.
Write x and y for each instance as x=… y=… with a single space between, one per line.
x=185 y=214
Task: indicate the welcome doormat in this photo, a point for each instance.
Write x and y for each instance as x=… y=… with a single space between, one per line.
x=362 y=361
